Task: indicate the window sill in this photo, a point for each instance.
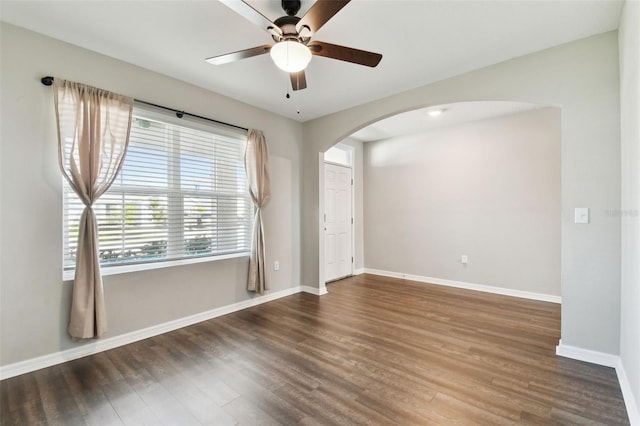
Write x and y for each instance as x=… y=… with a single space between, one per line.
x=124 y=269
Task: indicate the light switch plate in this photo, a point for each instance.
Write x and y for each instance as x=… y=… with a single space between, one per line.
x=581 y=215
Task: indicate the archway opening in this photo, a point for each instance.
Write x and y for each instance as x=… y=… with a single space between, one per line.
x=467 y=197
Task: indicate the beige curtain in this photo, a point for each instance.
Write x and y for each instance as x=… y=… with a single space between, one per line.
x=256 y=164
x=93 y=134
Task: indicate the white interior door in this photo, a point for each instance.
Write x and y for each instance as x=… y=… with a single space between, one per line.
x=337 y=222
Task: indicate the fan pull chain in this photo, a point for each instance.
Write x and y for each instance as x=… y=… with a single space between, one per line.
x=287 y=95
x=298 y=93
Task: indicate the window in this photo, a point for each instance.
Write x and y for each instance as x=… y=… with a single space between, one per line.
x=181 y=196
x=339 y=154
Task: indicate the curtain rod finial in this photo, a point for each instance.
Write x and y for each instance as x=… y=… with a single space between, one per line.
x=47 y=81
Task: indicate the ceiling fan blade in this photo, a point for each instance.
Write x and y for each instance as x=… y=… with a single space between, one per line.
x=240 y=54
x=319 y=14
x=348 y=54
x=298 y=80
x=249 y=13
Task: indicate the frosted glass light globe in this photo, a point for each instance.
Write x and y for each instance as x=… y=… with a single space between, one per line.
x=290 y=56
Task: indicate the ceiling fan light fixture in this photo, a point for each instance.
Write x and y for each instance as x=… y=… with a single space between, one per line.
x=290 y=56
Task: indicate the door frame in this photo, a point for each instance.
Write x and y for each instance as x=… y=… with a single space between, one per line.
x=321 y=240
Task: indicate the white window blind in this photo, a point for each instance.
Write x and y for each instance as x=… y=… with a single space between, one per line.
x=181 y=194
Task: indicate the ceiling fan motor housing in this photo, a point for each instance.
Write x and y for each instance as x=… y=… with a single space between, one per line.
x=287 y=25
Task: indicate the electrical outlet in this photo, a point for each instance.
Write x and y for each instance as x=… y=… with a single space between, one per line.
x=464 y=259
x=276 y=265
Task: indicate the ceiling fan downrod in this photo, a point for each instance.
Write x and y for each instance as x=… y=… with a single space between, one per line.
x=291 y=7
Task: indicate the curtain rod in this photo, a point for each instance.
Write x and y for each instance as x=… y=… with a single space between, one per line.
x=48 y=81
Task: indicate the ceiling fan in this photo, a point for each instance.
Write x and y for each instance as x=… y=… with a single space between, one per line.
x=293 y=47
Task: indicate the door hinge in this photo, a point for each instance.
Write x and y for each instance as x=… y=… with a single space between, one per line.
x=351 y=259
x=351 y=181
x=352 y=221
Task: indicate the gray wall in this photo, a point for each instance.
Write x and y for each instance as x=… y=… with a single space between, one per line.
x=488 y=189
x=630 y=209
x=34 y=300
x=582 y=79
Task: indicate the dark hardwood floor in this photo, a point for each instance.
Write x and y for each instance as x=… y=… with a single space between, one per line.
x=373 y=351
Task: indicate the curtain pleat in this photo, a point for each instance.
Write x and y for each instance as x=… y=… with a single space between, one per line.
x=256 y=161
x=93 y=135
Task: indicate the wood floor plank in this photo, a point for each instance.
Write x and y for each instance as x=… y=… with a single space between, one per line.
x=375 y=350
x=131 y=409
x=58 y=402
x=248 y=414
x=459 y=411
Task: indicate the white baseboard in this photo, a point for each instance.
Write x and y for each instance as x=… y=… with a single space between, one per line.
x=314 y=290
x=633 y=411
x=608 y=360
x=468 y=286
x=587 y=355
x=359 y=271
x=96 y=346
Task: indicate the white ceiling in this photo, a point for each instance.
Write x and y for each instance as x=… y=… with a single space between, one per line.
x=419 y=120
x=421 y=42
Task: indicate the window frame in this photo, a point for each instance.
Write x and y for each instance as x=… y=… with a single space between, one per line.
x=151 y=113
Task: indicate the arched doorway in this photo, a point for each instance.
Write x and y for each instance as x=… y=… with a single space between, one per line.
x=496 y=219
